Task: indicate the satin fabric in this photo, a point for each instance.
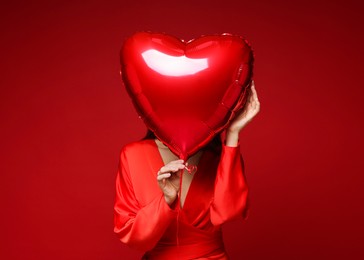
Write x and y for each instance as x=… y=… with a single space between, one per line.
x=143 y=220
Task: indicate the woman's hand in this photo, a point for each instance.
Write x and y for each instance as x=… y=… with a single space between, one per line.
x=169 y=180
x=249 y=111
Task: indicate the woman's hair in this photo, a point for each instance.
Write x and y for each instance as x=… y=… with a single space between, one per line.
x=214 y=145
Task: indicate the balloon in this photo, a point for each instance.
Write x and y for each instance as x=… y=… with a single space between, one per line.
x=186 y=92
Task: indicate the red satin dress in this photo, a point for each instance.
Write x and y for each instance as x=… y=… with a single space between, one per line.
x=143 y=220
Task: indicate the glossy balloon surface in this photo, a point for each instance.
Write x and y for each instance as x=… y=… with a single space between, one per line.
x=186 y=92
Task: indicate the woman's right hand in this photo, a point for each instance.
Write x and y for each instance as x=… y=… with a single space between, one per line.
x=169 y=180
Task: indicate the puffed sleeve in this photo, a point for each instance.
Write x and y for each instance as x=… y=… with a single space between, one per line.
x=139 y=227
x=231 y=191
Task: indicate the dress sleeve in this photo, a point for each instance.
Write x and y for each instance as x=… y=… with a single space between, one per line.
x=231 y=190
x=139 y=227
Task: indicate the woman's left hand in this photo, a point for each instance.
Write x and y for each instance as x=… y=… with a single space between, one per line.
x=249 y=111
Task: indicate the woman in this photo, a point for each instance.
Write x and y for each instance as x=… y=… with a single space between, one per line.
x=169 y=213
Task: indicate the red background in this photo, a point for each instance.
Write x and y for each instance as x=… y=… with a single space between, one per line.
x=65 y=116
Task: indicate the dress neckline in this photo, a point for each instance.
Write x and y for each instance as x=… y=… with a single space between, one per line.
x=193 y=181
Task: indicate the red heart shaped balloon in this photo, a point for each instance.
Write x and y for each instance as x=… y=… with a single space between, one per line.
x=186 y=92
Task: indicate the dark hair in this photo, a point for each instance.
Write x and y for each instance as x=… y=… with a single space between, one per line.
x=214 y=145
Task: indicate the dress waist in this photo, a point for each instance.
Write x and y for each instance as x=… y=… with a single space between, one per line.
x=208 y=249
x=182 y=241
